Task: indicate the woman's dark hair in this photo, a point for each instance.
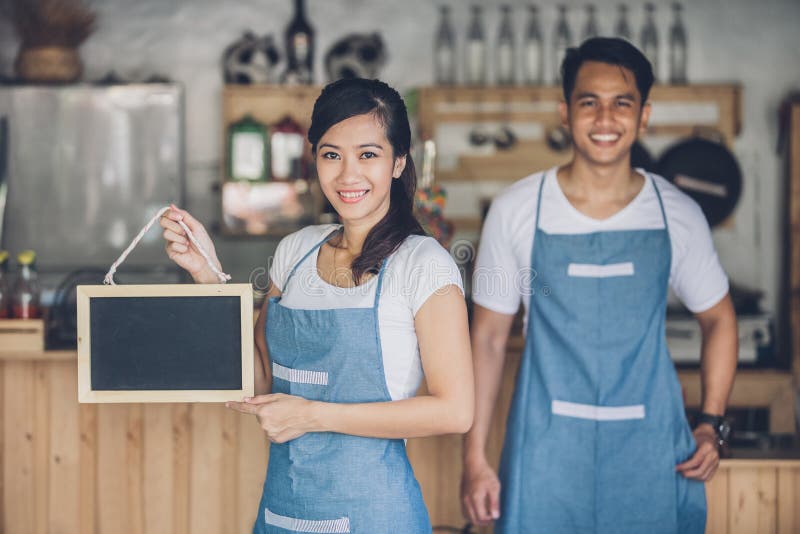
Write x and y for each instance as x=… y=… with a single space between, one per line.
x=347 y=98
x=610 y=50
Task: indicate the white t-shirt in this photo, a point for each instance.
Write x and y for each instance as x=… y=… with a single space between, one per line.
x=504 y=255
x=414 y=272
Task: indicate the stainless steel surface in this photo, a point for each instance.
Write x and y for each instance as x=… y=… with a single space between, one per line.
x=87 y=167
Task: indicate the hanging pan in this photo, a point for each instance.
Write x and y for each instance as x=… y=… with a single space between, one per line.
x=708 y=172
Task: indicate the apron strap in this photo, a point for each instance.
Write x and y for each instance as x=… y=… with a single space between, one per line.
x=318 y=245
x=380 y=284
x=539 y=199
x=660 y=202
x=307 y=254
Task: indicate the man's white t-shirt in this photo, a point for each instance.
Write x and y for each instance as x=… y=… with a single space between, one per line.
x=416 y=270
x=504 y=255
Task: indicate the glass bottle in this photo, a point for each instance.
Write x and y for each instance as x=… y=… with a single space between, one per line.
x=475 y=67
x=649 y=38
x=25 y=297
x=590 y=29
x=561 y=41
x=532 y=57
x=5 y=289
x=287 y=143
x=677 y=48
x=299 y=48
x=248 y=150
x=505 y=49
x=445 y=50
x=621 y=28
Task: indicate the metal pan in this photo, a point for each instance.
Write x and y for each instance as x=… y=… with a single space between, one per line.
x=706 y=171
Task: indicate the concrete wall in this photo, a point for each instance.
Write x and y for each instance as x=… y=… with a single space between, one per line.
x=754 y=43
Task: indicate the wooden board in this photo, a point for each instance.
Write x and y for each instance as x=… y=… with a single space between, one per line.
x=165 y=343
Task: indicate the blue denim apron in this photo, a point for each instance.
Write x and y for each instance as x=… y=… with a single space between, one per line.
x=324 y=481
x=597 y=421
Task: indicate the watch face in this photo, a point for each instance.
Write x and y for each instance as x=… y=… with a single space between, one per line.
x=724 y=429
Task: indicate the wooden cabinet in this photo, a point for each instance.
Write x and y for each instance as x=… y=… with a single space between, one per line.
x=199 y=468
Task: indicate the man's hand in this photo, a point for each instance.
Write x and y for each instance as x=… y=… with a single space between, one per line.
x=480 y=494
x=705 y=460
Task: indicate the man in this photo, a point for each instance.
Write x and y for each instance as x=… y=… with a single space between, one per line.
x=597 y=440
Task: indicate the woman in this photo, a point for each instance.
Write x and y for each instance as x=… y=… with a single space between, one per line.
x=355 y=313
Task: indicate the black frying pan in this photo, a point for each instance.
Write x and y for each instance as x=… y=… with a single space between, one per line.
x=706 y=171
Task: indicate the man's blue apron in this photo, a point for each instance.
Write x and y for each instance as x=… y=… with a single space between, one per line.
x=597 y=423
x=323 y=481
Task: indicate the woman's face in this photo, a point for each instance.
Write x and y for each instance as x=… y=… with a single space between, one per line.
x=356 y=165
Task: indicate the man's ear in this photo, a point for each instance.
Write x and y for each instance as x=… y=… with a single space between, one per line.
x=563 y=112
x=644 y=118
x=399 y=166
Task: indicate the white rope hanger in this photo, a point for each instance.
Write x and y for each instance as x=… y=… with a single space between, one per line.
x=109 y=279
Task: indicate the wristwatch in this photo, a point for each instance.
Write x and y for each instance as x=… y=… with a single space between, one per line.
x=720 y=425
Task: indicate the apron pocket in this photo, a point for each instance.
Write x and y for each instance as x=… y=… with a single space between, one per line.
x=309 y=384
x=329 y=526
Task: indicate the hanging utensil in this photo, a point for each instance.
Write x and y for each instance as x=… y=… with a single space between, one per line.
x=707 y=171
x=478 y=136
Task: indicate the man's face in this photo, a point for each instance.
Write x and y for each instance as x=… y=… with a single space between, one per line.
x=605 y=114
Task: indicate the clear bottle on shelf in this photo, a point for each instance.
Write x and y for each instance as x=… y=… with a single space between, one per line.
x=590 y=28
x=677 y=48
x=5 y=287
x=621 y=27
x=475 y=54
x=444 y=50
x=649 y=38
x=505 y=49
x=25 y=297
x=532 y=57
x=562 y=39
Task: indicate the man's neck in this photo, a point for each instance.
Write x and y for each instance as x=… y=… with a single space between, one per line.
x=599 y=191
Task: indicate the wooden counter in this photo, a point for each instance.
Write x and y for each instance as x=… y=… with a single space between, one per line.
x=181 y=468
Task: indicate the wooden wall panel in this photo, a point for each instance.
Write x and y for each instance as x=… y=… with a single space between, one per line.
x=19 y=421
x=180 y=468
x=64 y=451
x=205 y=502
x=159 y=474
x=87 y=491
x=111 y=498
x=253 y=456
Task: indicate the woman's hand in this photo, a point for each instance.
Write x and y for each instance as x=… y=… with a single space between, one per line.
x=182 y=251
x=283 y=417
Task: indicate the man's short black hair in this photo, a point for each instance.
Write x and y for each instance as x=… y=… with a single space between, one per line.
x=613 y=51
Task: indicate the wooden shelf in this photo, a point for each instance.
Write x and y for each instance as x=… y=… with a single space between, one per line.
x=678 y=111
x=269 y=104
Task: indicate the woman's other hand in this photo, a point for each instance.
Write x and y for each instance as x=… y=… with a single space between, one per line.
x=283 y=417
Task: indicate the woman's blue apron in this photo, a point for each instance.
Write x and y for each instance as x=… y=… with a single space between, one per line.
x=324 y=481
x=597 y=422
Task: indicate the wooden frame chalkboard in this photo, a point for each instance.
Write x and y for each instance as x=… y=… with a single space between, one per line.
x=165 y=343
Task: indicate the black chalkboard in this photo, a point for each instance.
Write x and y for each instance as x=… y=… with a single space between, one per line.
x=165 y=343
